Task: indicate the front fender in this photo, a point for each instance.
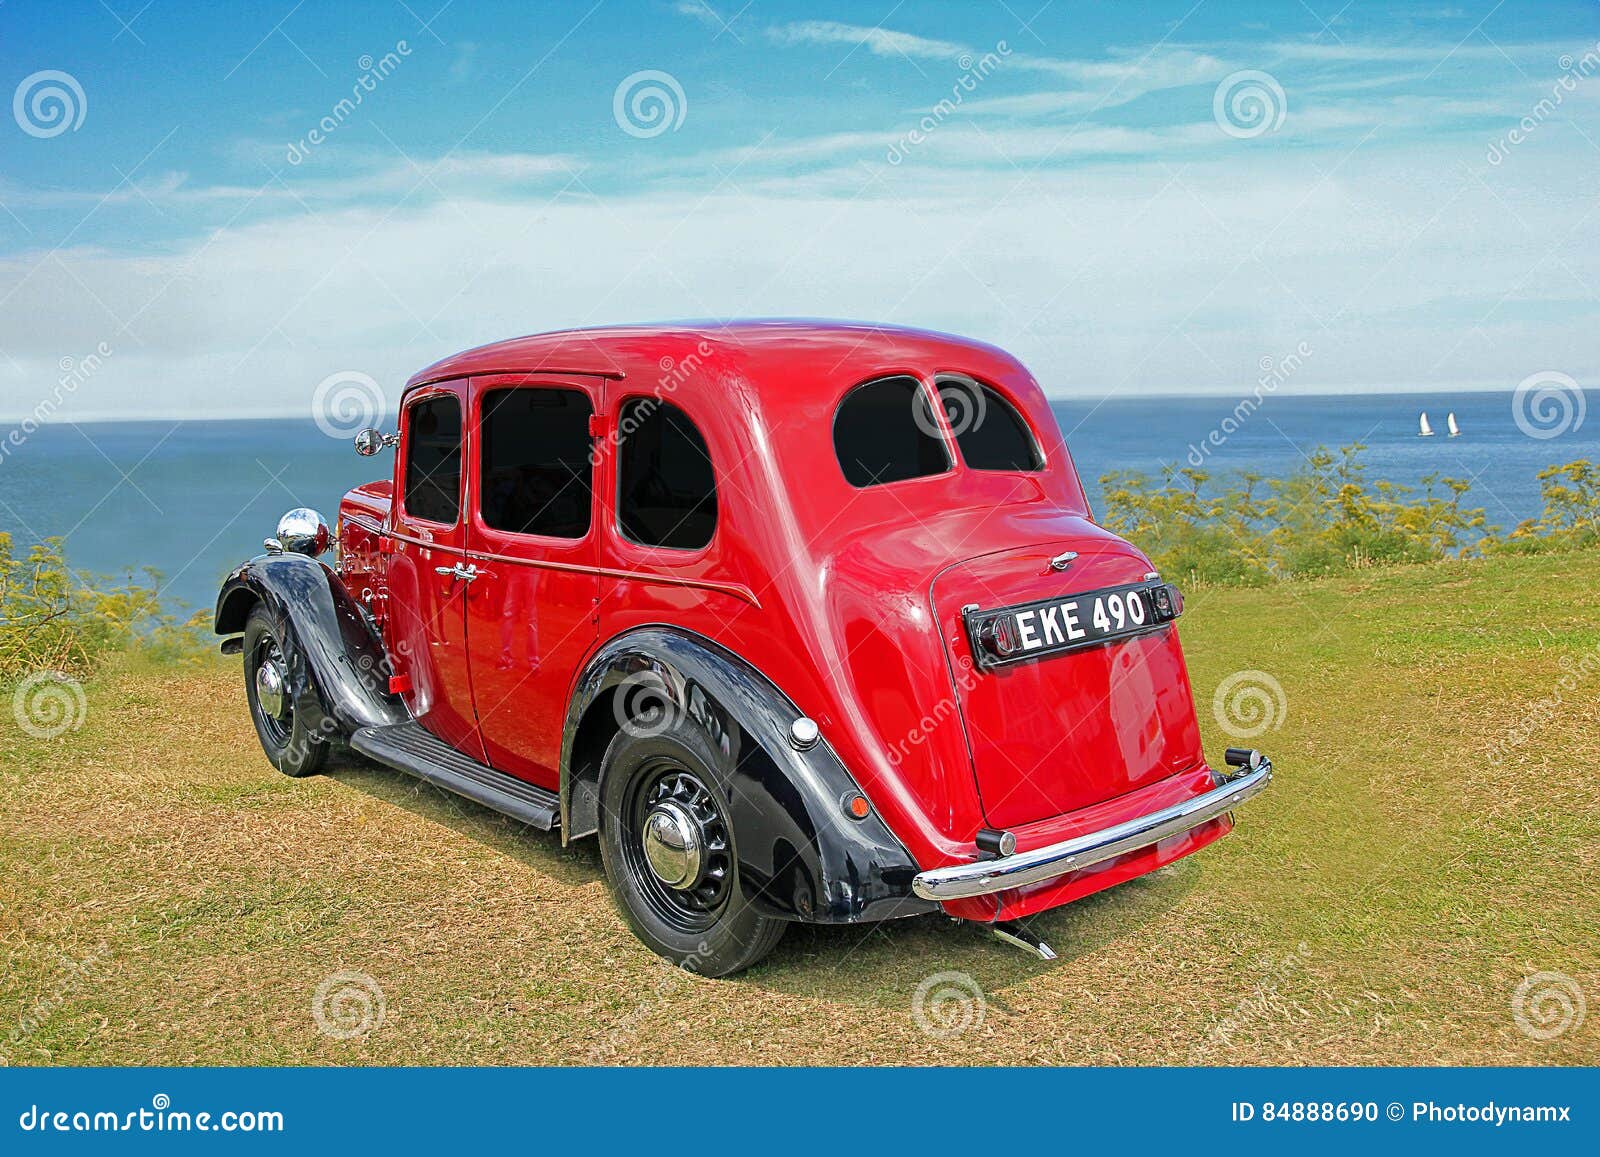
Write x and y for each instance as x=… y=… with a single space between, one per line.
x=800 y=856
x=325 y=634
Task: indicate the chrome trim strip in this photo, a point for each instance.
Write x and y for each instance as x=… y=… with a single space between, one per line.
x=985 y=877
x=737 y=590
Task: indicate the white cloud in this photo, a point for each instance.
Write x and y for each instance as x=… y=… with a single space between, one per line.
x=699 y=10
x=878 y=41
x=1135 y=276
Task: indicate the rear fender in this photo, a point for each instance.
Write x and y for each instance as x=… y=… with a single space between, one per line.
x=325 y=636
x=800 y=856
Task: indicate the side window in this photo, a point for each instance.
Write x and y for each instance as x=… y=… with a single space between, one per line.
x=534 y=473
x=433 y=460
x=666 y=488
x=991 y=433
x=884 y=432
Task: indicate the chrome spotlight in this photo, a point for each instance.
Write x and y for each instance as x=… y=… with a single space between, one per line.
x=303 y=531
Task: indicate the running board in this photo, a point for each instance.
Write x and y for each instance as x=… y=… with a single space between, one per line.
x=409 y=748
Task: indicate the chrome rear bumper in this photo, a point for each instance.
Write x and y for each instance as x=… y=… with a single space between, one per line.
x=984 y=877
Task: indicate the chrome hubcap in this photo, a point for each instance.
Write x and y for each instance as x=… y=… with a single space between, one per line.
x=673 y=846
x=270 y=681
x=678 y=849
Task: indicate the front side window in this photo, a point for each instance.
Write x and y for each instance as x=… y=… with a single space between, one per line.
x=666 y=488
x=992 y=434
x=885 y=432
x=433 y=460
x=534 y=474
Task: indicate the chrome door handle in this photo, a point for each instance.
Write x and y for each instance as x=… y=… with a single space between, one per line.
x=464 y=573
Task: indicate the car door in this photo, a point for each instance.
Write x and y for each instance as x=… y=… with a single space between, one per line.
x=427 y=546
x=532 y=535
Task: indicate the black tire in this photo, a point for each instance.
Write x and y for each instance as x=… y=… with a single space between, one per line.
x=708 y=928
x=293 y=748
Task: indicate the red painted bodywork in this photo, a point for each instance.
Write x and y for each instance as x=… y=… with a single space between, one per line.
x=847 y=599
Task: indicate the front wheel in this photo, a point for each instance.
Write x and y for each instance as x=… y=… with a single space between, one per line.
x=294 y=748
x=668 y=852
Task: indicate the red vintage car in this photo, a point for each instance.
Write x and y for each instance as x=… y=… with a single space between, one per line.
x=806 y=621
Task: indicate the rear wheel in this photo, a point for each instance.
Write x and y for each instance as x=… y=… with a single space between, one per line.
x=293 y=748
x=668 y=852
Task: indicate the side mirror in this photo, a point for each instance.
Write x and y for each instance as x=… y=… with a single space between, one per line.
x=370 y=441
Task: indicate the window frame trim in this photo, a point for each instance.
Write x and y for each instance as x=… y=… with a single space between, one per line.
x=677 y=554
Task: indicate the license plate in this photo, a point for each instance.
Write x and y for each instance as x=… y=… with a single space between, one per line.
x=1069 y=622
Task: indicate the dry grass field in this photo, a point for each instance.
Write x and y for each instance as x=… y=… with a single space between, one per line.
x=1431 y=840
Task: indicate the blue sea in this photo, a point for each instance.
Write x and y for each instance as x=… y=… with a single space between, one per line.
x=192 y=499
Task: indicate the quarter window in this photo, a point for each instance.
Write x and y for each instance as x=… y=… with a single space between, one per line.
x=885 y=432
x=666 y=488
x=992 y=434
x=534 y=474
x=433 y=460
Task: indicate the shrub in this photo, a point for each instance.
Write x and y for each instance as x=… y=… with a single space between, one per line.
x=1324 y=518
x=54 y=620
x=1571 y=517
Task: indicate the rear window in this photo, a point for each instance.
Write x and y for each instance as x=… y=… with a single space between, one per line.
x=885 y=432
x=666 y=488
x=992 y=434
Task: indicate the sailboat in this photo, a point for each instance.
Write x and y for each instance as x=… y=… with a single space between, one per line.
x=1450 y=422
x=1427 y=430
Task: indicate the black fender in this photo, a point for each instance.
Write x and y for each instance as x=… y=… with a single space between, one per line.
x=324 y=634
x=800 y=855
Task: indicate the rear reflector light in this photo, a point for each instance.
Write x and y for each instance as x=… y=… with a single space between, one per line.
x=1161 y=598
x=1166 y=602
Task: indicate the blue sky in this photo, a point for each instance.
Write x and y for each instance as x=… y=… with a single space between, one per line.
x=1088 y=195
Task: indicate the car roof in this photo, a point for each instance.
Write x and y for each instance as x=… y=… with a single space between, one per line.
x=623 y=351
